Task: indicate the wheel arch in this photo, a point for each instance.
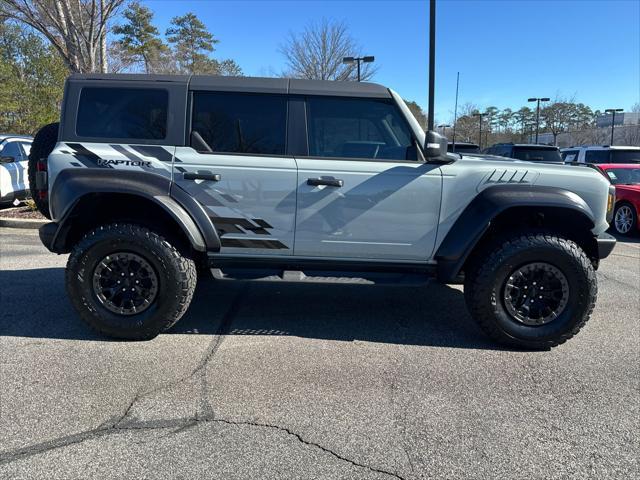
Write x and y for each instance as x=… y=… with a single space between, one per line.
x=510 y=207
x=82 y=199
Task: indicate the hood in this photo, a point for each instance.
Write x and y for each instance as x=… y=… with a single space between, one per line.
x=628 y=188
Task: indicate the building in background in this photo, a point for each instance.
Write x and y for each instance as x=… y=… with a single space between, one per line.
x=622 y=118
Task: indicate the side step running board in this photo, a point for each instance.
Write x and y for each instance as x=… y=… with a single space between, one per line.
x=357 y=278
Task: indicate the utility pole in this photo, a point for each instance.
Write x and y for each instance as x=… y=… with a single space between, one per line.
x=480 y=115
x=538 y=112
x=613 y=119
x=455 y=115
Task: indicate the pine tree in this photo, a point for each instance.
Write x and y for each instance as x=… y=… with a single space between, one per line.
x=140 y=42
x=192 y=43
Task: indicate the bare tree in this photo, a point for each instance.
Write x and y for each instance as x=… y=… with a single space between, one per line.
x=77 y=29
x=317 y=53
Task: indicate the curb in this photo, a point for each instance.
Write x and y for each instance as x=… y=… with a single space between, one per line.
x=21 y=222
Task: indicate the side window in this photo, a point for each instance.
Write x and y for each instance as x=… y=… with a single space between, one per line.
x=570 y=156
x=239 y=123
x=126 y=113
x=12 y=149
x=505 y=151
x=596 y=156
x=358 y=128
x=26 y=149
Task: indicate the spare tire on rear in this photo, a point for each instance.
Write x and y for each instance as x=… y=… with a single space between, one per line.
x=43 y=144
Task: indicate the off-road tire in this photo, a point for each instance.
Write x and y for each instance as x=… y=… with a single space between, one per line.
x=176 y=276
x=43 y=144
x=486 y=277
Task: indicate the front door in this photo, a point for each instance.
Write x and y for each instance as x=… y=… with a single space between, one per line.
x=237 y=169
x=362 y=193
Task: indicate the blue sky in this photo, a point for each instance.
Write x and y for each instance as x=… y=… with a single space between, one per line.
x=505 y=50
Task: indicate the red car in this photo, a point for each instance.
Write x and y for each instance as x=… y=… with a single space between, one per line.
x=626 y=178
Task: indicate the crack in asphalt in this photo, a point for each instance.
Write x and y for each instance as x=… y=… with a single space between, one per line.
x=120 y=423
x=179 y=425
x=222 y=330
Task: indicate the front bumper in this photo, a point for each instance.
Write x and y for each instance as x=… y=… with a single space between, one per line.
x=605 y=243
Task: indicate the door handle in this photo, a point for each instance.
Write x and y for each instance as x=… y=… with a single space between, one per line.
x=329 y=182
x=214 y=177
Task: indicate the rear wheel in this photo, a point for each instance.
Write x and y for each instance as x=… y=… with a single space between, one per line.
x=625 y=219
x=126 y=281
x=532 y=291
x=43 y=144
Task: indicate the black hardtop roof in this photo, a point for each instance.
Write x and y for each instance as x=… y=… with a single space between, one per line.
x=250 y=84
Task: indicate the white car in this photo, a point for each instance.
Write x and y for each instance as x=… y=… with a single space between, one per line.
x=600 y=154
x=14 y=180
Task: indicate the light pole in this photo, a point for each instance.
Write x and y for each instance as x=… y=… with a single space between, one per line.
x=480 y=115
x=444 y=129
x=357 y=60
x=432 y=64
x=613 y=119
x=538 y=112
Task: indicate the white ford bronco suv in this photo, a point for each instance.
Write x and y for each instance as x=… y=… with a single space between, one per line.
x=149 y=180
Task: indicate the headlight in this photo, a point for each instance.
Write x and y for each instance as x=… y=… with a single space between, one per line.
x=611 y=201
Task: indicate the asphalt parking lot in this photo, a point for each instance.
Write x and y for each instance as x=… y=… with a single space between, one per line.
x=312 y=381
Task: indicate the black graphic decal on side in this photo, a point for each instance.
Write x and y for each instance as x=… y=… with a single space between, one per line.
x=85 y=156
x=158 y=153
x=225 y=223
x=252 y=243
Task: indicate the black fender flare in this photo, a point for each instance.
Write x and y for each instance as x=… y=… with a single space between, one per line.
x=476 y=218
x=72 y=185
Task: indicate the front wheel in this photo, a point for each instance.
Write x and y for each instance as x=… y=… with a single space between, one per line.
x=625 y=219
x=128 y=282
x=532 y=291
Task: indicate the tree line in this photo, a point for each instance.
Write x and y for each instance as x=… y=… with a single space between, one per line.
x=42 y=41
x=507 y=125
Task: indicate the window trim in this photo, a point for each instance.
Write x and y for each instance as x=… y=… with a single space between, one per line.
x=189 y=124
x=389 y=101
x=175 y=111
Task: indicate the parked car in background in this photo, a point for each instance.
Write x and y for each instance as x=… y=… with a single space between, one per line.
x=463 y=147
x=526 y=151
x=626 y=178
x=601 y=154
x=14 y=153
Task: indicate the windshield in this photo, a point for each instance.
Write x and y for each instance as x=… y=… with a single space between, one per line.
x=464 y=148
x=533 y=154
x=625 y=156
x=624 y=176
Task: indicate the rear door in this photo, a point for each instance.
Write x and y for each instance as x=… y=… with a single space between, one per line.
x=236 y=166
x=362 y=192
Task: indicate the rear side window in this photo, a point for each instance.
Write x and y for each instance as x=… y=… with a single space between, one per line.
x=533 y=154
x=357 y=128
x=570 y=156
x=625 y=156
x=239 y=123
x=126 y=113
x=596 y=156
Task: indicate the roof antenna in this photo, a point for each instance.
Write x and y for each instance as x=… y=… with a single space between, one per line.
x=432 y=61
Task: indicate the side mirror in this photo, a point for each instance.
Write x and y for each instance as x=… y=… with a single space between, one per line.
x=435 y=146
x=7 y=159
